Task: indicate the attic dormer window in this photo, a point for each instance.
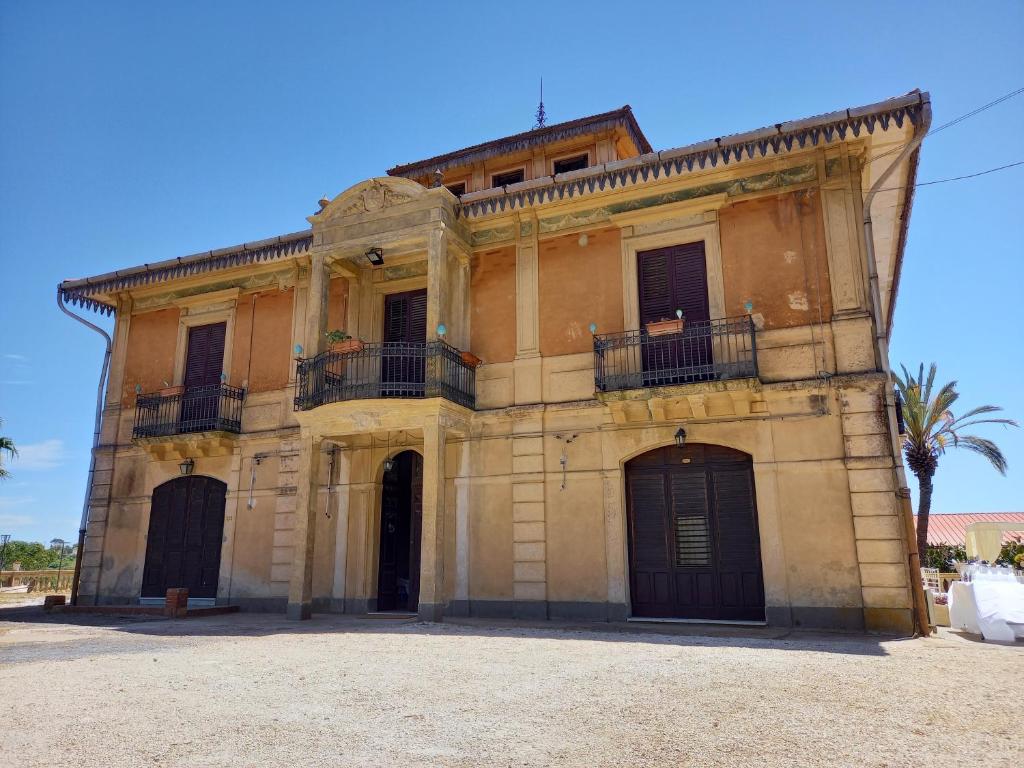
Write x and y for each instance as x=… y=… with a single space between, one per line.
x=508 y=177
x=574 y=163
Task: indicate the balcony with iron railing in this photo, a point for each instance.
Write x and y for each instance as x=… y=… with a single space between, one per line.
x=386 y=370
x=212 y=408
x=703 y=351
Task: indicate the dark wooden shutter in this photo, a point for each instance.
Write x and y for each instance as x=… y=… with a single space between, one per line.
x=204 y=361
x=651 y=566
x=690 y=282
x=656 y=301
x=740 y=579
x=405 y=327
x=673 y=278
x=405 y=317
x=694 y=546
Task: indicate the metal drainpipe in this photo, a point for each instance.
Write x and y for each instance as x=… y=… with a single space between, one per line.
x=84 y=525
x=881 y=346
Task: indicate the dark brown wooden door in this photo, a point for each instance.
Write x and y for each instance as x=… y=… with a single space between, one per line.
x=694 y=551
x=671 y=279
x=204 y=364
x=401 y=521
x=405 y=332
x=186 y=525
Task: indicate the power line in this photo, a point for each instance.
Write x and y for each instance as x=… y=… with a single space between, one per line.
x=954 y=178
x=952 y=122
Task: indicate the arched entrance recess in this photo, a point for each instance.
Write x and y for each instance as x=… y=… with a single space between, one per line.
x=401 y=519
x=694 y=551
x=186 y=526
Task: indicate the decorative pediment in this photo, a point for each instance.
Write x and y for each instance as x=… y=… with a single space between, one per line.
x=371 y=196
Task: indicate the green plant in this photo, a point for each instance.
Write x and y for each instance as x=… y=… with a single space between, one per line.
x=931 y=428
x=333 y=337
x=6 y=446
x=942 y=556
x=1012 y=554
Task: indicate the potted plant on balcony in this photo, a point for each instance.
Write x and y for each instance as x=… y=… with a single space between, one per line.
x=665 y=326
x=170 y=390
x=342 y=343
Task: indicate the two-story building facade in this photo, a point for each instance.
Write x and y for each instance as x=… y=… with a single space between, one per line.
x=583 y=379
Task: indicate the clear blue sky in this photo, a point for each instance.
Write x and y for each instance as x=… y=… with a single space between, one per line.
x=134 y=132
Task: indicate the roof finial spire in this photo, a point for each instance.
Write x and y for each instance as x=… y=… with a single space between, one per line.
x=542 y=118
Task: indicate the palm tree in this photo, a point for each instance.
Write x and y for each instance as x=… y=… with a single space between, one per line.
x=931 y=428
x=6 y=444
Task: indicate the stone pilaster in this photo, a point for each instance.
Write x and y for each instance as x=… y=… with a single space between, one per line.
x=527 y=375
x=300 y=585
x=432 y=601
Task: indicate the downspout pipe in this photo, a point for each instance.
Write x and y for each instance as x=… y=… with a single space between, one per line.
x=881 y=346
x=97 y=423
x=881 y=338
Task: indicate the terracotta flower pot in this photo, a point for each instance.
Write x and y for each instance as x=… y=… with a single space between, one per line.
x=347 y=346
x=665 y=327
x=172 y=391
x=471 y=360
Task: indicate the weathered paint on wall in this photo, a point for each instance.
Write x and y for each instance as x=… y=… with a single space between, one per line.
x=579 y=285
x=493 y=305
x=773 y=255
x=149 y=360
x=337 y=305
x=262 y=354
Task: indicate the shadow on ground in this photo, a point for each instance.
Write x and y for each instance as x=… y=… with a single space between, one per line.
x=242 y=625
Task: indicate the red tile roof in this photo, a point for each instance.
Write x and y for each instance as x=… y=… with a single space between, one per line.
x=952 y=529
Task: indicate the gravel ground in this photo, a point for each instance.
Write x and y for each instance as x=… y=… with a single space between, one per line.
x=259 y=690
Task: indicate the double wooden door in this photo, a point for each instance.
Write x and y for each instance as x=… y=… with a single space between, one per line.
x=403 y=364
x=186 y=525
x=401 y=521
x=694 y=550
x=675 y=279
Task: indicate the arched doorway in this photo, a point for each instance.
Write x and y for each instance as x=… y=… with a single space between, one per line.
x=401 y=519
x=186 y=525
x=694 y=551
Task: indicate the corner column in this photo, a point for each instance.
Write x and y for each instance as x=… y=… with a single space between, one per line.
x=316 y=305
x=300 y=588
x=431 y=607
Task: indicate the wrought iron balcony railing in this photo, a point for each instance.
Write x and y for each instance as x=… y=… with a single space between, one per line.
x=386 y=369
x=711 y=350
x=217 y=407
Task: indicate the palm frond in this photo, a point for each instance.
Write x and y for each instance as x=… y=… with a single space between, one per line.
x=986 y=448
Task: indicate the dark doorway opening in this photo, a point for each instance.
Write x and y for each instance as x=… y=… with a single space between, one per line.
x=694 y=548
x=401 y=518
x=186 y=525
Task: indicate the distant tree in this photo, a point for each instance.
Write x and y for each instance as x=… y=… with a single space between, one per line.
x=35 y=556
x=931 y=428
x=6 y=446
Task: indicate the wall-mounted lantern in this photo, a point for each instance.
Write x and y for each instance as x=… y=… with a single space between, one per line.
x=680 y=437
x=389 y=463
x=375 y=256
x=186 y=467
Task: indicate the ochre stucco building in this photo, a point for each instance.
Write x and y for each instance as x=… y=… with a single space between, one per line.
x=596 y=455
